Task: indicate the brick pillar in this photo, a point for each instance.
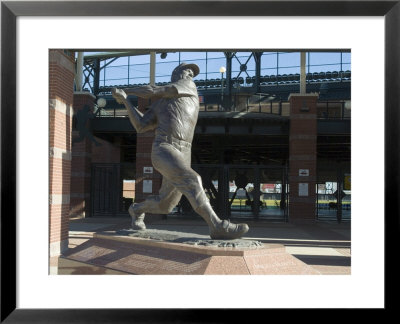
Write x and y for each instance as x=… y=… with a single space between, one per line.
x=302 y=157
x=143 y=159
x=81 y=158
x=61 y=82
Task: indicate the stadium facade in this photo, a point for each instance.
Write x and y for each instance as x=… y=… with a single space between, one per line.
x=272 y=142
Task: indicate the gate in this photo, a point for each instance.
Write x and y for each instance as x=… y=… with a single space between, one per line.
x=105 y=193
x=112 y=188
x=334 y=196
x=246 y=191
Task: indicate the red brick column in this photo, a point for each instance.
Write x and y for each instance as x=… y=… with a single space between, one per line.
x=81 y=161
x=143 y=159
x=302 y=157
x=61 y=82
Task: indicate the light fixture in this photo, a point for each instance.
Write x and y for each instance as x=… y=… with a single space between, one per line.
x=163 y=55
x=222 y=69
x=347 y=104
x=101 y=102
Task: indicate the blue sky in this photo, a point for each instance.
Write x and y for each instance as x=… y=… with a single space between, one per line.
x=136 y=69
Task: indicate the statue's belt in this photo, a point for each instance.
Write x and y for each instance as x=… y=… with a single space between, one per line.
x=172 y=140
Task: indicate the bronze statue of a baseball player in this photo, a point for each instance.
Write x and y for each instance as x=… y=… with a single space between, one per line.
x=174 y=117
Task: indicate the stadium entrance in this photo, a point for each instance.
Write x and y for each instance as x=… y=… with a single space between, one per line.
x=246 y=191
x=235 y=191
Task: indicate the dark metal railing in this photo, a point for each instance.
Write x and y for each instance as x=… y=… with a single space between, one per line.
x=329 y=110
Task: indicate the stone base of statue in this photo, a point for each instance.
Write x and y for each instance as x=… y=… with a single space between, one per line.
x=164 y=252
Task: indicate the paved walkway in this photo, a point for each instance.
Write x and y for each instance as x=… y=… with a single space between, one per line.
x=326 y=246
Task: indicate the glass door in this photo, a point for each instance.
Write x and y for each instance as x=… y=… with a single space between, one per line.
x=327 y=203
x=244 y=195
x=334 y=196
x=273 y=194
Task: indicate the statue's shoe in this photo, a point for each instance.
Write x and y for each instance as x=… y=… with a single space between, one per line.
x=137 y=218
x=228 y=231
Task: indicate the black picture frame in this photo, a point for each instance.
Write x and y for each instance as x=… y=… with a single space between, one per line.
x=10 y=10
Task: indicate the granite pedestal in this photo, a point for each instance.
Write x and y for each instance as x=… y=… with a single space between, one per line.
x=174 y=253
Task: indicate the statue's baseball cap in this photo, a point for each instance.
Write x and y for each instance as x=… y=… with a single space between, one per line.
x=183 y=66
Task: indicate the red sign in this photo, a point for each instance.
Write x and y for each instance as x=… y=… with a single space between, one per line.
x=268 y=186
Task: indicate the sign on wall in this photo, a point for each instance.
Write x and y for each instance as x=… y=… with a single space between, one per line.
x=147 y=169
x=303 y=189
x=304 y=172
x=147 y=186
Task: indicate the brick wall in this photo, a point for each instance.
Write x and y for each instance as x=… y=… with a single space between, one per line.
x=302 y=155
x=84 y=153
x=61 y=81
x=81 y=160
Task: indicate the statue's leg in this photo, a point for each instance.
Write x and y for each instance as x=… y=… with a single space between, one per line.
x=190 y=185
x=163 y=203
x=174 y=165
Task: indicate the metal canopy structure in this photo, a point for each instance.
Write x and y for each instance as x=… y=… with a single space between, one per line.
x=251 y=106
x=94 y=63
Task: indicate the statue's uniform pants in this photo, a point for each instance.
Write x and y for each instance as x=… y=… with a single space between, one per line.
x=172 y=158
